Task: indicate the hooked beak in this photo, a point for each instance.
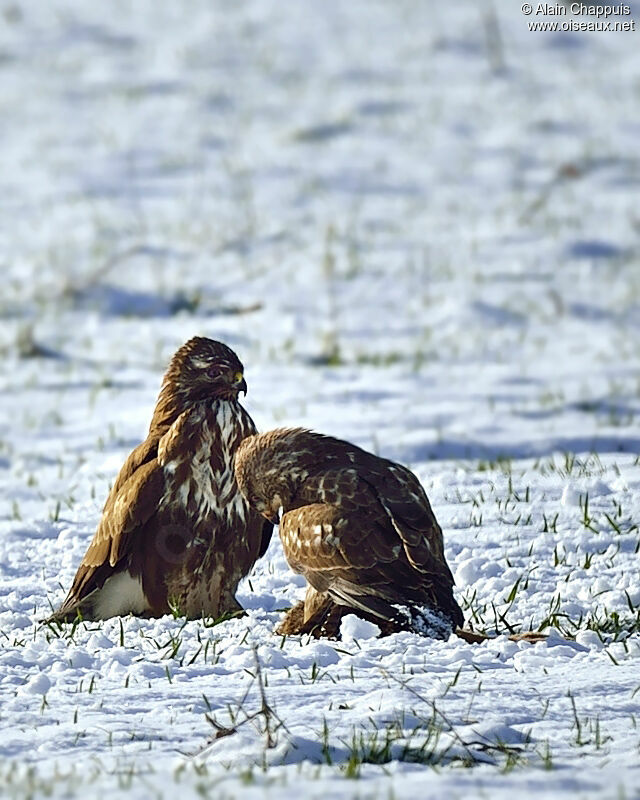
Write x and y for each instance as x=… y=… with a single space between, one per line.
x=242 y=387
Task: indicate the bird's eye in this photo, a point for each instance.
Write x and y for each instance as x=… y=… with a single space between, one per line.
x=213 y=372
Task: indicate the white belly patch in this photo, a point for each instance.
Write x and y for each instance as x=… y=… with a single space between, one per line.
x=121 y=594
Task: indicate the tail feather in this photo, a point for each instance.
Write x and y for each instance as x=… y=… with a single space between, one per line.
x=412 y=612
x=72 y=610
x=419 y=617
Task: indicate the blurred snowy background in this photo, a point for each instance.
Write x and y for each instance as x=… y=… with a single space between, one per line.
x=419 y=226
x=364 y=184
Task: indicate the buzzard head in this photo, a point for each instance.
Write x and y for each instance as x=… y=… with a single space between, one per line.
x=205 y=369
x=266 y=472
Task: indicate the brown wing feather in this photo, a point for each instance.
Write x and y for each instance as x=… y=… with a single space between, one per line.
x=308 y=540
x=409 y=511
x=146 y=451
x=131 y=503
x=178 y=439
x=351 y=555
x=366 y=481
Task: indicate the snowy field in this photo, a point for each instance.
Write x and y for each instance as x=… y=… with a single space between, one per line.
x=419 y=226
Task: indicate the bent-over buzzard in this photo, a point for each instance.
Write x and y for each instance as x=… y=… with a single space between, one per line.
x=358 y=527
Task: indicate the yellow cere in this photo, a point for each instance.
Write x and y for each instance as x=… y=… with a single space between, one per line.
x=238 y=376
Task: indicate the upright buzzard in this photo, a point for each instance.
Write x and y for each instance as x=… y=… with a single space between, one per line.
x=358 y=527
x=176 y=534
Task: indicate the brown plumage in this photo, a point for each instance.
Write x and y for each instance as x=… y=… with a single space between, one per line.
x=176 y=534
x=358 y=527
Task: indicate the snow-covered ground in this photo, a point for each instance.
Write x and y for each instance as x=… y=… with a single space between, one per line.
x=418 y=225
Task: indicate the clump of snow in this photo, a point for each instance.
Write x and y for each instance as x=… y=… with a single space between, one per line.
x=352 y=627
x=38 y=684
x=589 y=639
x=571 y=496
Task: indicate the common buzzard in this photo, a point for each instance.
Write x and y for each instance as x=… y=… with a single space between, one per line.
x=176 y=534
x=358 y=527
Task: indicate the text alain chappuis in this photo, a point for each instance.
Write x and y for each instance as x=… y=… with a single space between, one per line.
x=602 y=13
